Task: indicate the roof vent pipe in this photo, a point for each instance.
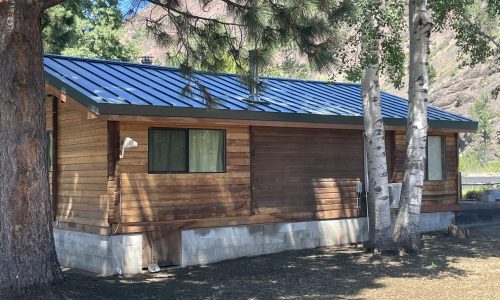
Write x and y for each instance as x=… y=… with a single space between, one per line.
x=146 y=60
x=254 y=76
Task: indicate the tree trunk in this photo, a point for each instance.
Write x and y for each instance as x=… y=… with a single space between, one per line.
x=380 y=230
x=27 y=253
x=406 y=231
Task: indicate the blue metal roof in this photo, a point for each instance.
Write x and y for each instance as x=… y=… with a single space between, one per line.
x=119 y=88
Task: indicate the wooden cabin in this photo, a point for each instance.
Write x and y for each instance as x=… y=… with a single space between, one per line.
x=241 y=178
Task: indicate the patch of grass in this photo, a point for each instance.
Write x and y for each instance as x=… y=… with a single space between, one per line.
x=453 y=71
x=470 y=163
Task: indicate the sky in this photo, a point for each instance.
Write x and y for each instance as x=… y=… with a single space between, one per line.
x=126 y=4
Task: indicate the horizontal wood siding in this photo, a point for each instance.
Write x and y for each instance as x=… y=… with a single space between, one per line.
x=154 y=198
x=437 y=194
x=312 y=172
x=82 y=171
x=48 y=113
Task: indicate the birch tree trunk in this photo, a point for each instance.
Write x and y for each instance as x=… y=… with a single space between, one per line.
x=380 y=233
x=406 y=232
x=27 y=253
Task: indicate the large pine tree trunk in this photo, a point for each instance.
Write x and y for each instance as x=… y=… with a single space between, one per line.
x=380 y=230
x=406 y=231
x=27 y=253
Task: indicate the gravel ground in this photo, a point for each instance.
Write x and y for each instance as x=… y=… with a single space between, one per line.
x=447 y=268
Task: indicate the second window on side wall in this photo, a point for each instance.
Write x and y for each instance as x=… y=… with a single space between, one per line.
x=175 y=150
x=435 y=158
x=50 y=151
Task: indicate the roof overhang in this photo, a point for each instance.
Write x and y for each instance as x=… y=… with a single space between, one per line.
x=155 y=111
x=169 y=111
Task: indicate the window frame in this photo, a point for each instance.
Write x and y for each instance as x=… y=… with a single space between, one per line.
x=186 y=130
x=443 y=158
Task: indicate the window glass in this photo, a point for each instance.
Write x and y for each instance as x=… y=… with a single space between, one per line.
x=186 y=150
x=50 y=150
x=435 y=158
x=167 y=150
x=206 y=150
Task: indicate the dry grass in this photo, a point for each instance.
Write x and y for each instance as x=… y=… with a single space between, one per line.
x=447 y=268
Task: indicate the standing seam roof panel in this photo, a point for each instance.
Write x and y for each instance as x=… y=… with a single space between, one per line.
x=149 y=88
x=166 y=89
x=177 y=86
x=121 y=85
x=244 y=93
x=132 y=86
x=98 y=81
x=314 y=100
x=334 y=100
x=97 y=90
x=117 y=85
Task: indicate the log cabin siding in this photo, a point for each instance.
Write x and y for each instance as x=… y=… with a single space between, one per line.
x=171 y=197
x=311 y=172
x=438 y=195
x=82 y=201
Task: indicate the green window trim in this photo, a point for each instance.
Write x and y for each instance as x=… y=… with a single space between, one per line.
x=186 y=150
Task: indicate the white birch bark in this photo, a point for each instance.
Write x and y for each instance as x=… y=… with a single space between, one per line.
x=380 y=238
x=406 y=232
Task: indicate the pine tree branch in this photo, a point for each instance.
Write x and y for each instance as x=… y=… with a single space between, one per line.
x=191 y=16
x=240 y=6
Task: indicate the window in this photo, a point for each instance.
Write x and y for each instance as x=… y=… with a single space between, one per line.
x=186 y=150
x=435 y=158
x=50 y=151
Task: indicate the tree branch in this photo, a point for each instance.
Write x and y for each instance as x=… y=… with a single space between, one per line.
x=478 y=30
x=191 y=16
x=44 y=4
x=231 y=3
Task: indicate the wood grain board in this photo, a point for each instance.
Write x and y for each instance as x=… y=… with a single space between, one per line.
x=273 y=174
x=436 y=192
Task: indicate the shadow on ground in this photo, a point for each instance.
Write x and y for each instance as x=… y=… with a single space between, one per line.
x=317 y=273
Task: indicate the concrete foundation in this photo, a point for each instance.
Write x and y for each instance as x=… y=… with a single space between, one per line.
x=204 y=246
x=104 y=254
x=99 y=254
x=478 y=217
x=436 y=221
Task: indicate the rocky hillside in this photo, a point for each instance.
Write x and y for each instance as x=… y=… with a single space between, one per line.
x=453 y=88
x=456 y=89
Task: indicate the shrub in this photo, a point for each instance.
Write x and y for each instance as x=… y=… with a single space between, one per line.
x=474 y=194
x=477 y=192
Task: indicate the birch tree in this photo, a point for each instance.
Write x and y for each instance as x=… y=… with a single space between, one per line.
x=476 y=45
x=378 y=24
x=379 y=217
x=406 y=231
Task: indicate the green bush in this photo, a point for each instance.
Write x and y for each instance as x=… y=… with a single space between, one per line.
x=477 y=192
x=474 y=195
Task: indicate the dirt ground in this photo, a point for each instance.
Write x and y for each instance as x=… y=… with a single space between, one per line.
x=447 y=268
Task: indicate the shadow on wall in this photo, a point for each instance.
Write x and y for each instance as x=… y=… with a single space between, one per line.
x=161 y=204
x=83 y=198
